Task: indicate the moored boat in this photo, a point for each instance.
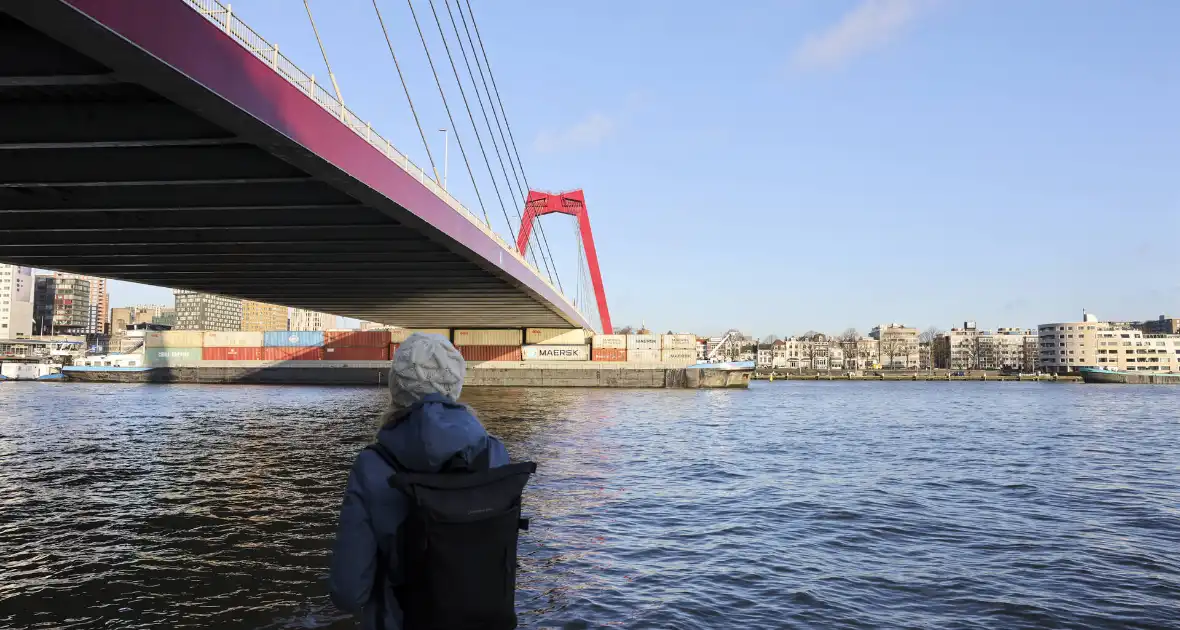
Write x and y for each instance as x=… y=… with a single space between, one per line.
x=1105 y=375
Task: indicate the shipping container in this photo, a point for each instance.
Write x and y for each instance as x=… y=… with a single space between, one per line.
x=556 y=336
x=164 y=357
x=356 y=353
x=679 y=342
x=393 y=349
x=546 y=352
x=292 y=338
x=679 y=357
x=173 y=339
x=644 y=356
x=232 y=339
x=291 y=353
x=356 y=339
x=608 y=354
x=643 y=342
x=490 y=353
x=618 y=342
x=399 y=335
x=231 y=354
x=505 y=337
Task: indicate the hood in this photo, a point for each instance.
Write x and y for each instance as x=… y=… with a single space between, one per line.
x=434 y=430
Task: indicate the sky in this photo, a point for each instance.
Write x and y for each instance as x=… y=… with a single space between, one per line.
x=781 y=166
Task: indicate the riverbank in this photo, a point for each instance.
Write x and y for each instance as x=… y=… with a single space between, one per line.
x=484 y=374
x=885 y=376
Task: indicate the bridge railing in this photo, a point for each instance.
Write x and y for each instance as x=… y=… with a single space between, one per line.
x=222 y=15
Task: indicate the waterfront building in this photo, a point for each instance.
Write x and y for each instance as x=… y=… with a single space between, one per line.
x=1164 y=325
x=261 y=317
x=898 y=345
x=1069 y=346
x=970 y=348
x=311 y=320
x=204 y=311
x=16 y=301
x=98 y=301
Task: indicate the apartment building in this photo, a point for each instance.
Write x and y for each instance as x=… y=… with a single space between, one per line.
x=970 y=348
x=98 y=301
x=1134 y=350
x=898 y=345
x=261 y=317
x=204 y=311
x=1068 y=346
x=311 y=320
x=16 y=301
x=1164 y=325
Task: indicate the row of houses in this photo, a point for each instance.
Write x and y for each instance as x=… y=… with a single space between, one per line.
x=1064 y=347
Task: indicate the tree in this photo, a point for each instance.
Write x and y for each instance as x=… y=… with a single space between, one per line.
x=625 y=330
x=770 y=339
x=929 y=338
x=850 y=343
x=893 y=347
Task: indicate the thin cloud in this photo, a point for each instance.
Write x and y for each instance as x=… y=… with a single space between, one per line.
x=587 y=133
x=870 y=25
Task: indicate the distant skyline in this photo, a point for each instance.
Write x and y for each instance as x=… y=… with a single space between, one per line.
x=849 y=162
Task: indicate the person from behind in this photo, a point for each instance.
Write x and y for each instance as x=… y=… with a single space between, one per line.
x=428 y=526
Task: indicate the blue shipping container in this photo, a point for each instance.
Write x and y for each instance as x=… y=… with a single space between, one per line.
x=293 y=339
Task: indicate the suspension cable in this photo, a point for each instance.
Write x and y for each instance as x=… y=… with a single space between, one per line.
x=458 y=139
x=406 y=88
x=324 y=53
x=507 y=125
x=491 y=134
x=470 y=116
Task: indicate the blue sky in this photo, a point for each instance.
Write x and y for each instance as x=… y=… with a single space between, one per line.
x=848 y=162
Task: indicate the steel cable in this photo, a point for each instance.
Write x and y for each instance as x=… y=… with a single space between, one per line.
x=451 y=118
x=406 y=88
x=508 y=126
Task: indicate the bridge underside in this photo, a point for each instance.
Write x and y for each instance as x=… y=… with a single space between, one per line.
x=102 y=175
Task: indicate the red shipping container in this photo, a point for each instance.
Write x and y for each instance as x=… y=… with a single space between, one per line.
x=490 y=353
x=231 y=354
x=608 y=354
x=315 y=353
x=356 y=338
x=393 y=349
x=357 y=354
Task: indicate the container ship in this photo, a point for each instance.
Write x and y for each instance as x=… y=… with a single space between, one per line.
x=522 y=357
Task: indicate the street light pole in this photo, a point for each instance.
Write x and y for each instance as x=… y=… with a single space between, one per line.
x=446 y=153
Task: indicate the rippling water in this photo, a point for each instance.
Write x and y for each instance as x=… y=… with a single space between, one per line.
x=827 y=505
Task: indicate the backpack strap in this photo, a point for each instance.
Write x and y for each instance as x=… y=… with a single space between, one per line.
x=387 y=455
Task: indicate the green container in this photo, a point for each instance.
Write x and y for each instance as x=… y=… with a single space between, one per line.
x=168 y=357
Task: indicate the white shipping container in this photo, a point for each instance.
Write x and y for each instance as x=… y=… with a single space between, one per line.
x=679 y=357
x=232 y=339
x=506 y=337
x=174 y=339
x=556 y=353
x=643 y=342
x=615 y=342
x=679 y=342
x=651 y=355
x=555 y=336
x=399 y=335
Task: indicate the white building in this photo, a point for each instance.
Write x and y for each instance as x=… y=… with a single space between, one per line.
x=311 y=320
x=969 y=348
x=16 y=301
x=898 y=345
x=1069 y=346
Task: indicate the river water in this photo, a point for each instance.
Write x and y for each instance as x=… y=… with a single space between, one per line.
x=797 y=504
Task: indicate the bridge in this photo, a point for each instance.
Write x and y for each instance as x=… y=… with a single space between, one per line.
x=165 y=142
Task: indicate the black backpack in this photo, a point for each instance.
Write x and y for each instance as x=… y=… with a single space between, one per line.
x=456 y=550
